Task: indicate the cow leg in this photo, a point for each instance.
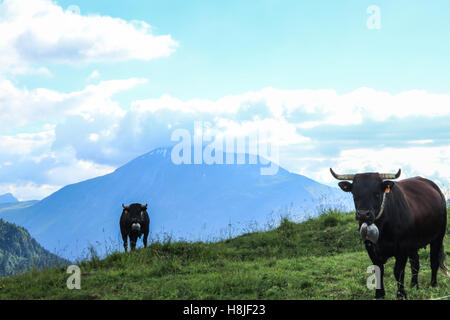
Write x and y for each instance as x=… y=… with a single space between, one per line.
x=415 y=266
x=435 y=247
x=133 y=244
x=125 y=242
x=399 y=273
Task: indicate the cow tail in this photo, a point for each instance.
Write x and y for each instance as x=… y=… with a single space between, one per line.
x=442 y=265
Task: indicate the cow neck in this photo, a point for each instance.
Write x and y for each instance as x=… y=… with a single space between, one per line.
x=383 y=203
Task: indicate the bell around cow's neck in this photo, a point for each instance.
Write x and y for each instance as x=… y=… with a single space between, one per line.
x=369 y=232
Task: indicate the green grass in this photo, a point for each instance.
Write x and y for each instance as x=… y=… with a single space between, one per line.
x=320 y=258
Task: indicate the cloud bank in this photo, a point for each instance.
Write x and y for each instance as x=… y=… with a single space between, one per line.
x=39 y=32
x=364 y=130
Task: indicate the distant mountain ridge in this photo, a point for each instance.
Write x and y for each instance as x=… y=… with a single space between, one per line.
x=190 y=202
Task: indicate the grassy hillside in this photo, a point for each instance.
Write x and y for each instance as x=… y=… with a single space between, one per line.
x=321 y=258
x=19 y=252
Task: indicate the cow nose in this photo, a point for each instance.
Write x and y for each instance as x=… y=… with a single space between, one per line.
x=363 y=215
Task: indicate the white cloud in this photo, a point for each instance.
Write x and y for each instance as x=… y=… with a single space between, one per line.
x=40 y=31
x=29 y=190
x=428 y=162
x=25 y=143
x=274 y=131
x=423 y=141
x=329 y=107
x=19 y=107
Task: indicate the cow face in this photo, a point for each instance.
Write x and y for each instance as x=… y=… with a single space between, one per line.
x=367 y=190
x=135 y=218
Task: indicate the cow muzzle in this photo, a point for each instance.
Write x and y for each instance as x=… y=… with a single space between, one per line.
x=369 y=232
x=366 y=216
x=136 y=227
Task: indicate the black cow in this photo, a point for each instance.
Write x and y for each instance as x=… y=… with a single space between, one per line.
x=396 y=220
x=134 y=222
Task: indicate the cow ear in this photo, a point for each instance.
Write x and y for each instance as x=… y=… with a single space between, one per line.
x=346 y=186
x=387 y=185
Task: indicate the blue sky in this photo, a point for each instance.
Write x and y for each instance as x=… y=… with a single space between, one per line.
x=83 y=92
x=229 y=47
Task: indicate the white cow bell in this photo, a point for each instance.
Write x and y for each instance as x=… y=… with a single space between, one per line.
x=369 y=232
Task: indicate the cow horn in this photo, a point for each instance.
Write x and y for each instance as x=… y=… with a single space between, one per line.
x=385 y=176
x=125 y=207
x=342 y=176
x=144 y=206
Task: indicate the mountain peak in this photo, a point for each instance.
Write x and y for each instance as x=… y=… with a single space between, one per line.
x=8 y=198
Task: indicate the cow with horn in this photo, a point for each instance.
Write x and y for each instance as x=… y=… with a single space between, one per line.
x=134 y=222
x=396 y=219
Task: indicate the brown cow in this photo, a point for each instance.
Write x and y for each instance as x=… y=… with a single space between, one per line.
x=396 y=219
